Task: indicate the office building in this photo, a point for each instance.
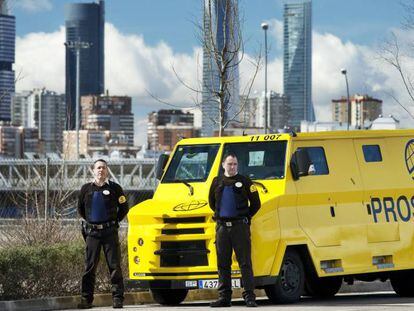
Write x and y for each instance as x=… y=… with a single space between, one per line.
x=84 y=23
x=297 y=60
x=279 y=111
x=364 y=110
x=16 y=141
x=220 y=16
x=7 y=51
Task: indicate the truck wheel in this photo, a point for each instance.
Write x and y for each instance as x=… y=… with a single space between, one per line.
x=169 y=297
x=289 y=285
x=402 y=283
x=322 y=287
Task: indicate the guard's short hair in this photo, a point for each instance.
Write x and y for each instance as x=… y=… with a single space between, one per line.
x=99 y=160
x=229 y=154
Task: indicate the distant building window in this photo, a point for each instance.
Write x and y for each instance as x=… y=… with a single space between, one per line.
x=372 y=153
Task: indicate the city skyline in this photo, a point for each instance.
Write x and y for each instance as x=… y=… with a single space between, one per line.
x=148 y=54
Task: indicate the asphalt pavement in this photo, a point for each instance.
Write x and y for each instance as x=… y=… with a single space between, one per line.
x=342 y=302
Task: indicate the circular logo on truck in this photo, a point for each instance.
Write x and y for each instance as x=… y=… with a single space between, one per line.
x=409 y=157
x=189 y=206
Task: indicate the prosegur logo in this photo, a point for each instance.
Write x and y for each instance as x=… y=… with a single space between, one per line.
x=409 y=157
x=189 y=206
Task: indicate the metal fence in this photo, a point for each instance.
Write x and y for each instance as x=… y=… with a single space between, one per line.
x=49 y=187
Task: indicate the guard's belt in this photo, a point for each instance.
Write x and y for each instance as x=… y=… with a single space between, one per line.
x=101 y=226
x=231 y=223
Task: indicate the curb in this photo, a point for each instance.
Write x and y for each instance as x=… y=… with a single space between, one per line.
x=144 y=297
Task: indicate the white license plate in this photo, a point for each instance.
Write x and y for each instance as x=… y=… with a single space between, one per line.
x=235 y=283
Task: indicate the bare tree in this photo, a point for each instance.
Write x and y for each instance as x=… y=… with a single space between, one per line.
x=223 y=48
x=220 y=34
x=396 y=54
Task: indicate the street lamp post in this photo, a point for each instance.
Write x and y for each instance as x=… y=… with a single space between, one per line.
x=77 y=46
x=265 y=27
x=343 y=71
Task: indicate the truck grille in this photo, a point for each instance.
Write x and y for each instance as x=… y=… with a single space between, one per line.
x=182 y=231
x=183 y=253
x=183 y=220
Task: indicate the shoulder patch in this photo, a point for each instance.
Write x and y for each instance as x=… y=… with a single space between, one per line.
x=122 y=199
x=253 y=188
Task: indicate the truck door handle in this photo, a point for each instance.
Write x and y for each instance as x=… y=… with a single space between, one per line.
x=332 y=211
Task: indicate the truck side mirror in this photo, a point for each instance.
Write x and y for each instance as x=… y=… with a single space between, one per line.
x=300 y=164
x=162 y=161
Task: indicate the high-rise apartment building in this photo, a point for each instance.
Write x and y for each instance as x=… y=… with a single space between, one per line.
x=167 y=127
x=7 y=51
x=85 y=23
x=44 y=110
x=107 y=128
x=108 y=113
x=220 y=28
x=297 y=60
x=364 y=110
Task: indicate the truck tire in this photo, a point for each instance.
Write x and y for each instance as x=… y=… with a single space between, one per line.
x=402 y=283
x=169 y=297
x=322 y=287
x=289 y=284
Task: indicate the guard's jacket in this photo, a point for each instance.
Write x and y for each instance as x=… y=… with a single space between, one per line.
x=245 y=192
x=114 y=199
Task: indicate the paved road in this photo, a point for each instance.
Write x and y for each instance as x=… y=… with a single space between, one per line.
x=342 y=302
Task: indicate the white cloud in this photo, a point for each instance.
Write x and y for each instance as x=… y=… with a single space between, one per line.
x=34 y=5
x=133 y=66
x=40 y=58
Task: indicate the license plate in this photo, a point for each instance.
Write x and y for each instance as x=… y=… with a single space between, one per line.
x=235 y=283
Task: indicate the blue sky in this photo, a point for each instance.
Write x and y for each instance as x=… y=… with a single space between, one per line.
x=145 y=39
x=360 y=21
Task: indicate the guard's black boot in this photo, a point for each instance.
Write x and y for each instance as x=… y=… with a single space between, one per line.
x=84 y=304
x=221 y=303
x=251 y=303
x=117 y=303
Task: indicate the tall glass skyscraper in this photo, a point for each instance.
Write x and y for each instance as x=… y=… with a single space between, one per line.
x=7 y=48
x=84 y=22
x=221 y=22
x=297 y=60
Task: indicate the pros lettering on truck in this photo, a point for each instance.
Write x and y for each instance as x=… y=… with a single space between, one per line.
x=336 y=207
x=400 y=209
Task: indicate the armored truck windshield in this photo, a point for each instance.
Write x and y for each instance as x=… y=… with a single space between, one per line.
x=191 y=163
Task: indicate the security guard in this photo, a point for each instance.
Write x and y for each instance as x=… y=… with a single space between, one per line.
x=102 y=205
x=234 y=200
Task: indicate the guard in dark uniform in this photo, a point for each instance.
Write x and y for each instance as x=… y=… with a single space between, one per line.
x=234 y=200
x=102 y=204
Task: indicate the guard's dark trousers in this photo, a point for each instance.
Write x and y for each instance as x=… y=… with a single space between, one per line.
x=236 y=237
x=109 y=242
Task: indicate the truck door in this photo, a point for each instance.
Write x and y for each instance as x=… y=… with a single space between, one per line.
x=379 y=190
x=315 y=199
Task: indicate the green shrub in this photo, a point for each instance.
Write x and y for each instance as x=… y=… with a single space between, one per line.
x=48 y=270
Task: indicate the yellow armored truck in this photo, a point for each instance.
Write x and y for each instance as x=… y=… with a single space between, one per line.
x=336 y=206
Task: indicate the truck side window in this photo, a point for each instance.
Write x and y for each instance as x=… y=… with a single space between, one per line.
x=259 y=160
x=318 y=159
x=372 y=153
